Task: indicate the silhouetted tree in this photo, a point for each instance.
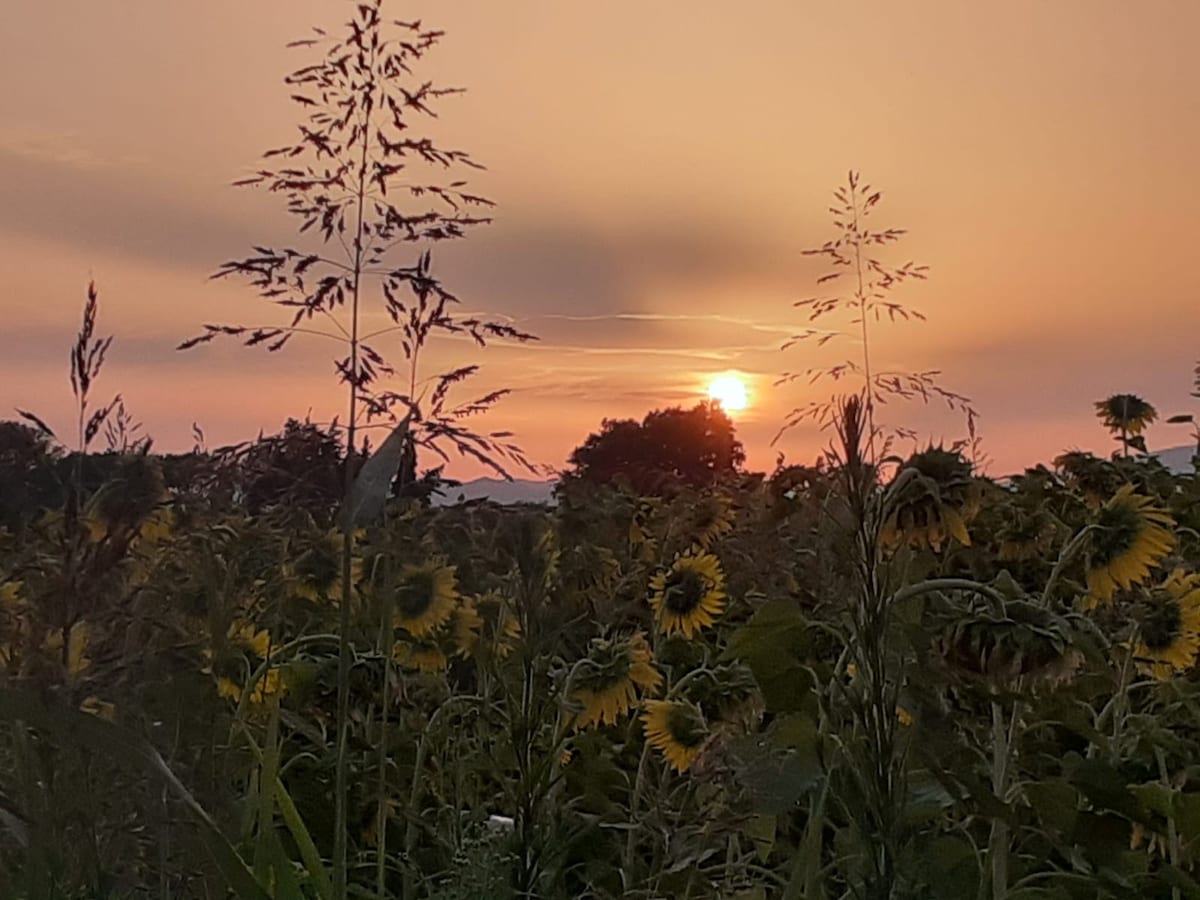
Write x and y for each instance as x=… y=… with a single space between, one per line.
x=668 y=449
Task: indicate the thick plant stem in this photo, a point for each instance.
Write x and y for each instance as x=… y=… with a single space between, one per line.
x=387 y=643
x=344 y=650
x=998 y=839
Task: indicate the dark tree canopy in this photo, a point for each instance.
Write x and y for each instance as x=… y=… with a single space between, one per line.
x=668 y=449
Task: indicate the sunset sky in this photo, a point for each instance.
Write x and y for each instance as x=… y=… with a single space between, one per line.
x=658 y=167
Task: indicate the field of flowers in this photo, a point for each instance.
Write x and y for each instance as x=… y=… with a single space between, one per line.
x=819 y=684
x=276 y=670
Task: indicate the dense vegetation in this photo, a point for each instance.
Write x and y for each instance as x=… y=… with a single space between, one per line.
x=277 y=670
x=679 y=695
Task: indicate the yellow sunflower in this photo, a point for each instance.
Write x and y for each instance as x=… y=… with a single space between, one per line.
x=465 y=628
x=425 y=598
x=247 y=636
x=608 y=681
x=271 y=684
x=690 y=595
x=1132 y=536
x=423 y=656
x=316 y=572
x=676 y=729
x=1169 y=627
x=1126 y=413
x=935 y=505
x=711 y=518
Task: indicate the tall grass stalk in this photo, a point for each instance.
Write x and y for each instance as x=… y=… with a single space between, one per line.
x=357 y=151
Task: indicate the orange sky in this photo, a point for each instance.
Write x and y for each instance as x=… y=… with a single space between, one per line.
x=658 y=167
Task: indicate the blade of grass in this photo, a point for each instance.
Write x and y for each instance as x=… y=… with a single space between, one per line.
x=95 y=733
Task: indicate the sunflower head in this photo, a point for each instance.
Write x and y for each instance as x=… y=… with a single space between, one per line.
x=608 y=680
x=689 y=595
x=677 y=730
x=726 y=694
x=1026 y=641
x=711 y=517
x=247 y=637
x=315 y=572
x=1094 y=478
x=465 y=627
x=1130 y=536
x=791 y=485
x=935 y=501
x=1168 y=619
x=422 y=655
x=1027 y=536
x=425 y=597
x=134 y=491
x=1127 y=413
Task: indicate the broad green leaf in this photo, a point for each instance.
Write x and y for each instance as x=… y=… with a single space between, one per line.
x=374 y=480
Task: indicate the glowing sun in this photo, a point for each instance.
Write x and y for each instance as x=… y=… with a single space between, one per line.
x=729 y=391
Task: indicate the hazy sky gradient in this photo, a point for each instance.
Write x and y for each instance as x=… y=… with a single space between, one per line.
x=658 y=167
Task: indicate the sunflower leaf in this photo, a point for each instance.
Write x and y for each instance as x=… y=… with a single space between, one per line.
x=370 y=490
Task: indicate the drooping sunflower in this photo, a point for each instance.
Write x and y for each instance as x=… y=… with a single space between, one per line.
x=1026 y=641
x=1169 y=627
x=246 y=636
x=934 y=504
x=690 y=595
x=316 y=571
x=1131 y=536
x=1125 y=413
x=608 y=680
x=677 y=730
x=425 y=597
x=711 y=517
x=1094 y=478
x=244 y=648
x=1027 y=536
x=422 y=655
x=465 y=627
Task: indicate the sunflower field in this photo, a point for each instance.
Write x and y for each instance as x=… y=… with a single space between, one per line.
x=279 y=670
x=830 y=682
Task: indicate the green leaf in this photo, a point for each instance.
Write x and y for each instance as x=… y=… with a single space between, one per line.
x=1187 y=816
x=779 y=767
x=94 y=733
x=374 y=480
x=761 y=830
x=773 y=644
x=1104 y=787
x=1055 y=803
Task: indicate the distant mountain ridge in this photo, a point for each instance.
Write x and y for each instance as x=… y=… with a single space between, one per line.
x=1177 y=459
x=519 y=490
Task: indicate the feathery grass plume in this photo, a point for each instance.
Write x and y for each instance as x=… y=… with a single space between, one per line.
x=363 y=182
x=853 y=255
